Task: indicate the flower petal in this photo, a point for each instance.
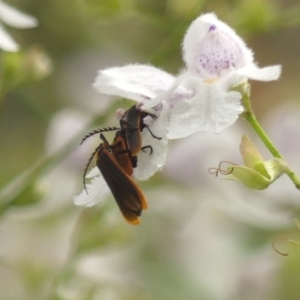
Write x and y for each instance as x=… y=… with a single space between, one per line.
x=97 y=190
x=6 y=41
x=148 y=163
x=213 y=108
x=261 y=74
x=211 y=49
x=15 y=18
x=93 y=173
x=136 y=82
x=175 y=93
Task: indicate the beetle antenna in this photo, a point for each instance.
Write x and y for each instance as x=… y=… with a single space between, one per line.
x=98 y=131
x=87 y=166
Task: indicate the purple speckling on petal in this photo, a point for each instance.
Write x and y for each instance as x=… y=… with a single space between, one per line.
x=212 y=27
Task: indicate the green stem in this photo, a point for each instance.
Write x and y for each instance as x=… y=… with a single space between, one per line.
x=249 y=116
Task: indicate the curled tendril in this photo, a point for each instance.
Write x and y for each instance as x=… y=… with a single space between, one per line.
x=219 y=169
x=275 y=249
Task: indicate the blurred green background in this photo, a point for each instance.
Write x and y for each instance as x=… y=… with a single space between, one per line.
x=202 y=238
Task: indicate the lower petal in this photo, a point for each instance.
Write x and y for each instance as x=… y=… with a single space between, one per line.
x=96 y=191
x=93 y=173
x=149 y=163
x=212 y=109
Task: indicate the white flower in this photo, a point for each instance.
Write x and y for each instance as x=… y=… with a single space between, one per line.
x=14 y=18
x=216 y=60
x=140 y=83
x=199 y=99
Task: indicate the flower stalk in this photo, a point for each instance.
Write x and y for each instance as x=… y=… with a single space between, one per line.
x=249 y=116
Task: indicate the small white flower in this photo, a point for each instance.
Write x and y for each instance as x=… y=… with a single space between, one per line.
x=14 y=18
x=199 y=99
x=217 y=60
x=140 y=83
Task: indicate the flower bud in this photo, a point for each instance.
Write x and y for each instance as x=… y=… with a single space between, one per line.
x=256 y=173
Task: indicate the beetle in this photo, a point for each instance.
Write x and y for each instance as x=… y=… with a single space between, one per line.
x=131 y=126
x=129 y=132
x=115 y=164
